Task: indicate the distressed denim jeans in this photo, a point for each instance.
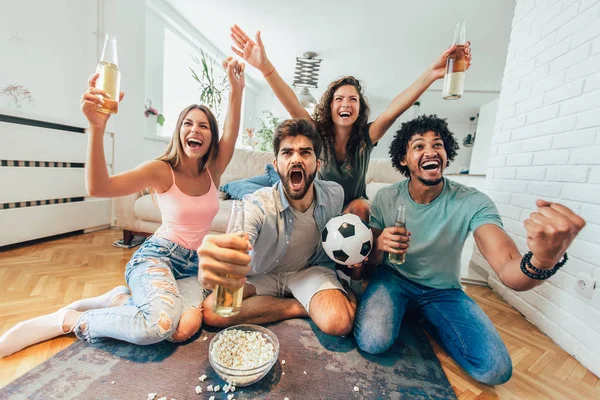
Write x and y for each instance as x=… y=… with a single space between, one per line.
x=451 y=317
x=163 y=280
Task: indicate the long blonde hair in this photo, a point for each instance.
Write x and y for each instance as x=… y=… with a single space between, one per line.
x=174 y=151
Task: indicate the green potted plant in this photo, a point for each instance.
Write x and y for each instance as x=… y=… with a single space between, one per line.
x=264 y=133
x=212 y=89
x=261 y=139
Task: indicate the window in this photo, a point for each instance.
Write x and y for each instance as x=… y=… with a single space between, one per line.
x=171 y=45
x=179 y=88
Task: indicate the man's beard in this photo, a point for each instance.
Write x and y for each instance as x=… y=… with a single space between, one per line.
x=433 y=182
x=308 y=180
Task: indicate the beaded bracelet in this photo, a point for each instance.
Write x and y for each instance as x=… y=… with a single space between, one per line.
x=541 y=274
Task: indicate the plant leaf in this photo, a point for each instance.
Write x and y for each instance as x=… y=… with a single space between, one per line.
x=160 y=119
x=194 y=75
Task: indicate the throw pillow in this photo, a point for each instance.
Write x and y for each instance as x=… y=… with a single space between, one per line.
x=241 y=187
x=273 y=175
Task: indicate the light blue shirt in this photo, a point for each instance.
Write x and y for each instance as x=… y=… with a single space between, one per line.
x=269 y=220
x=438 y=229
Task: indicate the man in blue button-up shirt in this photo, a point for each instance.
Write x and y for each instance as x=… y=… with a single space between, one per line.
x=288 y=269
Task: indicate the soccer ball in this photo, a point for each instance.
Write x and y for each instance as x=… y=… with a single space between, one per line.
x=347 y=239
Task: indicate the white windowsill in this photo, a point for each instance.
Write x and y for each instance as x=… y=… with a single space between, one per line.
x=155 y=138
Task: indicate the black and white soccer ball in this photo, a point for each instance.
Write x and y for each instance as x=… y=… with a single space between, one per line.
x=347 y=239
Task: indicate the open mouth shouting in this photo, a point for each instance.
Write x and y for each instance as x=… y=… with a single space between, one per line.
x=297 y=178
x=345 y=115
x=431 y=167
x=195 y=143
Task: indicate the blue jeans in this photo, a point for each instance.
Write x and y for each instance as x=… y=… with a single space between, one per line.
x=454 y=320
x=163 y=280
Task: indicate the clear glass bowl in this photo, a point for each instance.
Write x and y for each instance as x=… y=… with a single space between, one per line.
x=244 y=377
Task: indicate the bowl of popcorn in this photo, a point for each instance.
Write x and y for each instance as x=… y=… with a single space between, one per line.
x=243 y=354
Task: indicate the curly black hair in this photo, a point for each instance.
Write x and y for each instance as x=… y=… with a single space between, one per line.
x=420 y=125
x=324 y=121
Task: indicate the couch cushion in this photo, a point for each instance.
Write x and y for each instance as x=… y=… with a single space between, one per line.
x=381 y=170
x=219 y=224
x=373 y=188
x=272 y=174
x=146 y=210
x=246 y=164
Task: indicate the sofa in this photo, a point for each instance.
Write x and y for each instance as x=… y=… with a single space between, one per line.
x=137 y=214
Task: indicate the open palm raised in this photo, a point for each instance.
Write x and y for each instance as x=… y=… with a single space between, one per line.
x=252 y=52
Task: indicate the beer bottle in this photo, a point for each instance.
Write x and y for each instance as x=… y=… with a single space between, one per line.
x=110 y=76
x=228 y=302
x=456 y=65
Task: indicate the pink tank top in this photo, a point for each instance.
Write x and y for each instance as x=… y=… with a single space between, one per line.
x=187 y=219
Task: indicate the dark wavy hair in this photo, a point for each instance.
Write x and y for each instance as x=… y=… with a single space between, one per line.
x=324 y=121
x=294 y=127
x=420 y=125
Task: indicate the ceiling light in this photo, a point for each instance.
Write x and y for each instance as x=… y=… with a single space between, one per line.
x=306 y=76
x=306 y=99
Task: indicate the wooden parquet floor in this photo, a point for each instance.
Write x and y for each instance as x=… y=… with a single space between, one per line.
x=40 y=278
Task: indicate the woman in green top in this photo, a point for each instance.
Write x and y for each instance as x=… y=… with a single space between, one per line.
x=341 y=117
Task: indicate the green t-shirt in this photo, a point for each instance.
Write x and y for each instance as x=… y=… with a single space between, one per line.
x=353 y=180
x=438 y=229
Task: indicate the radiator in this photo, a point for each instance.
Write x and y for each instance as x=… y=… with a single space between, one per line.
x=42 y=180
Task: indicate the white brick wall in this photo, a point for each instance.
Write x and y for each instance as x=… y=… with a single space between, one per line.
x=547 y=145
x=581 y=138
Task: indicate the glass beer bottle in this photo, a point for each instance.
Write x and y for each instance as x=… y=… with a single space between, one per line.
x=228 y=302
x=110 y=76
x=456 y=65
x=400 y=222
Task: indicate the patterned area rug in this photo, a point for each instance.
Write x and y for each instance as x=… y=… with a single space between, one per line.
x=317 y=366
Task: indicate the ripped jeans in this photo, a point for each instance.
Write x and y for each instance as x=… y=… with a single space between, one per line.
x=163 y=280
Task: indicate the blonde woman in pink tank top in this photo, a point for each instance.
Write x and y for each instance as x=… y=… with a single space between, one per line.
x=164 y=298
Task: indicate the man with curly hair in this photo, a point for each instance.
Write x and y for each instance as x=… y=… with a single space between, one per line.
x=440 y=213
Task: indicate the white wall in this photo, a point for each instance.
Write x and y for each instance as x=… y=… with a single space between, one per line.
x=463 y=156
x=49 y=48
x=153 y=66
x=54 y=51
x=127 y=20
x=547 y=144
x=483 y=138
